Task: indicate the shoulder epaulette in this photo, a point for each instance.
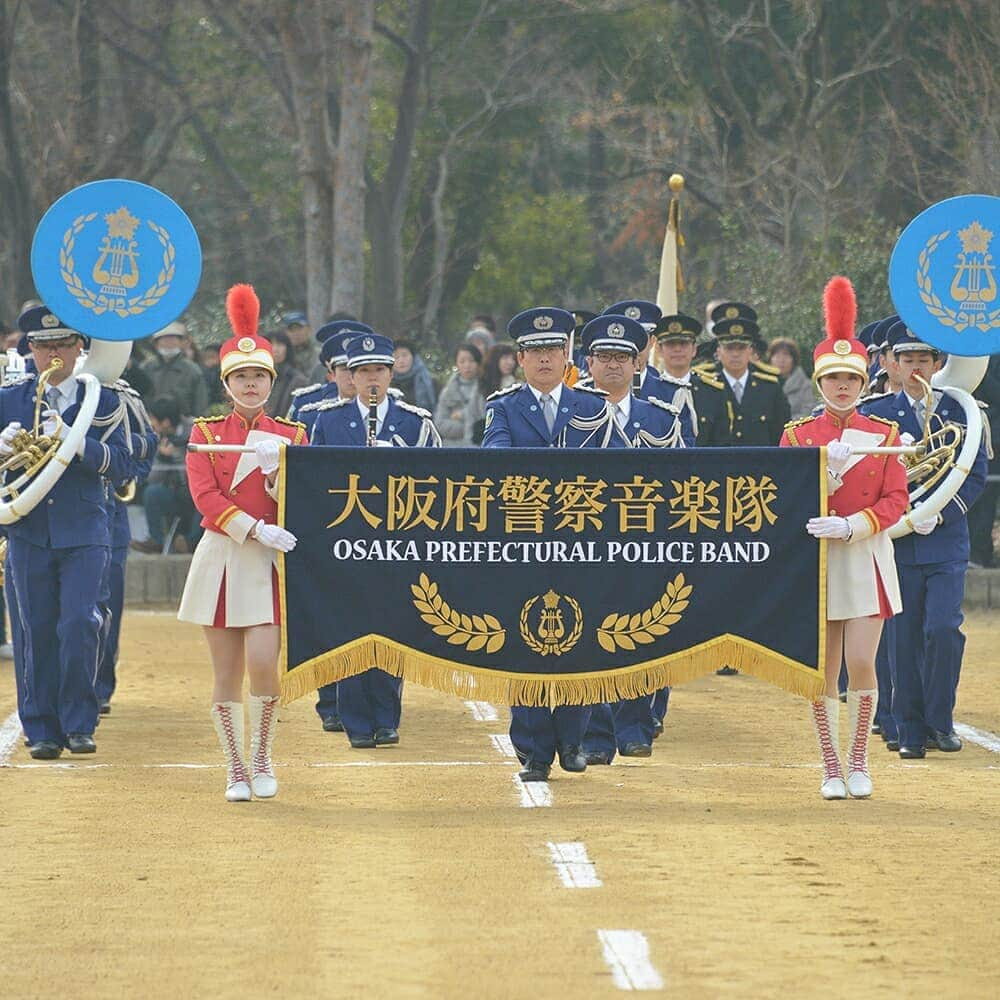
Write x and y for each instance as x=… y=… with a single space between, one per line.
x=307 y=388
x=766 y=377
x=289 y=423
x=18 y=379
x=583 y=381
x=504 y=392
x=328 y=404
x=664 y=405
x=210 y=420
x=592 y=389
x=394 y=392
x=706 y=378
x=798 y=422
x=670 y=380
x=763 y=366
x=411 y=408
x=120 y=385
x=882 y=420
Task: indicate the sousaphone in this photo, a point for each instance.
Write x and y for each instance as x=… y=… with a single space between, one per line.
x=943 y=282
x=115 y=260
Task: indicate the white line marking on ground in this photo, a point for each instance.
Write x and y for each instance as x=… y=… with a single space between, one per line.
x=60 y=766
x=502 y=744
x=534 y=794
x=982 y=738
x=482 y=711
x=411 y=763
x=573 y=866
x=10 y=731
x=627 y=955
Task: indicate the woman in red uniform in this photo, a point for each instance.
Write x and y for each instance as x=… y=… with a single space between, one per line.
x=867 y=495
x=232 y=585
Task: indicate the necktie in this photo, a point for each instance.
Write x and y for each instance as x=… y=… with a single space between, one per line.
x=738 y=391
x=52 y=394
x=549 y=411
x=920 y=410
x=619 y=414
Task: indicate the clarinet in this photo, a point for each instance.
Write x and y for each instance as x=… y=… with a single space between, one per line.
x=372 y=417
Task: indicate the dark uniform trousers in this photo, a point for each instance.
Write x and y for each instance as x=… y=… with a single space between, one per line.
x=627 y=721
x=372 y=699
x=58 y=630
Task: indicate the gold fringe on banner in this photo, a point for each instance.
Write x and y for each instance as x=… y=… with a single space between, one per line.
x=507 y=687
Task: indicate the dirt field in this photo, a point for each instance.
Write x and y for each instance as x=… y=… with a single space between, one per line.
x=419 y=871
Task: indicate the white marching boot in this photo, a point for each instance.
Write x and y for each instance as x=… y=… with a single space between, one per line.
x=263 y=718
x=826 y=720
x=228 y=719
x=861 y=707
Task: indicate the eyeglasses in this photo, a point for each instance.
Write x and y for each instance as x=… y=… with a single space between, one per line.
x=54 y=345
x=617 y=357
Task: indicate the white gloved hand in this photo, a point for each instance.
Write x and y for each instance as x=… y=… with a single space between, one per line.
x=838 y=454
x=268 y=455
x=924 y=527
x=906 y=438
x=6 y=436
x=383 y=444
x=52 y=425
x=828 y=527
x=274 y=537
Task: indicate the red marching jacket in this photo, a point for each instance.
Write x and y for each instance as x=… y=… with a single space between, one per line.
x=227 y=508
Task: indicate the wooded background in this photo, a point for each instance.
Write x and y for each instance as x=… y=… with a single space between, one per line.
x=418 y=161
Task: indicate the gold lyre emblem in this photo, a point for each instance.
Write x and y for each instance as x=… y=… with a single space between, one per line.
x=115 y=275
x=973 y=288
x=549 y=637
x=117 y=267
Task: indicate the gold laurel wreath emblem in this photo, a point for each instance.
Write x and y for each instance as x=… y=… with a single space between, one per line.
x=550 y=648
x=624 y=631
x=90 y=300
x=946 y=316
x=475 y=632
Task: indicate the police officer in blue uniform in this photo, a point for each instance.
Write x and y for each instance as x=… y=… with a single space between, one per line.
x=612 y=345
x=331 y=356
x=545 y=413
x=57 y=552
x=142 y=442
x=370 y=703
x=692 y=390
x=931 y=562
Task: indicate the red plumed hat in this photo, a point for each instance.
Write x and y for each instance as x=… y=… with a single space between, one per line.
x=245 y=349
x=841 y=351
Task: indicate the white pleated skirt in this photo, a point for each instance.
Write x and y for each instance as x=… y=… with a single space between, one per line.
x=245 y=574
x=853 y=573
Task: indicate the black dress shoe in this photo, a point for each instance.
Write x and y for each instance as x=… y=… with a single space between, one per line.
x=912 y=753
x=386 y=737
x=876 y=729
x=534 y=770
x=657 y=728
x=945 y=742
x=892 y=745
x=636 y=750
x=843 y=697
x=45 y=750
x=598 y=756
x=332 y=724
x=362 y=742
x=572 y=759
x=104 y=708
x=726 y=672
x=80 y=743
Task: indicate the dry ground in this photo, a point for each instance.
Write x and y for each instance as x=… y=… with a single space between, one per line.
x=416 y=871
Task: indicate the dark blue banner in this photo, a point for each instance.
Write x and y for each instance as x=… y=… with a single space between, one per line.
x=552 y=576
